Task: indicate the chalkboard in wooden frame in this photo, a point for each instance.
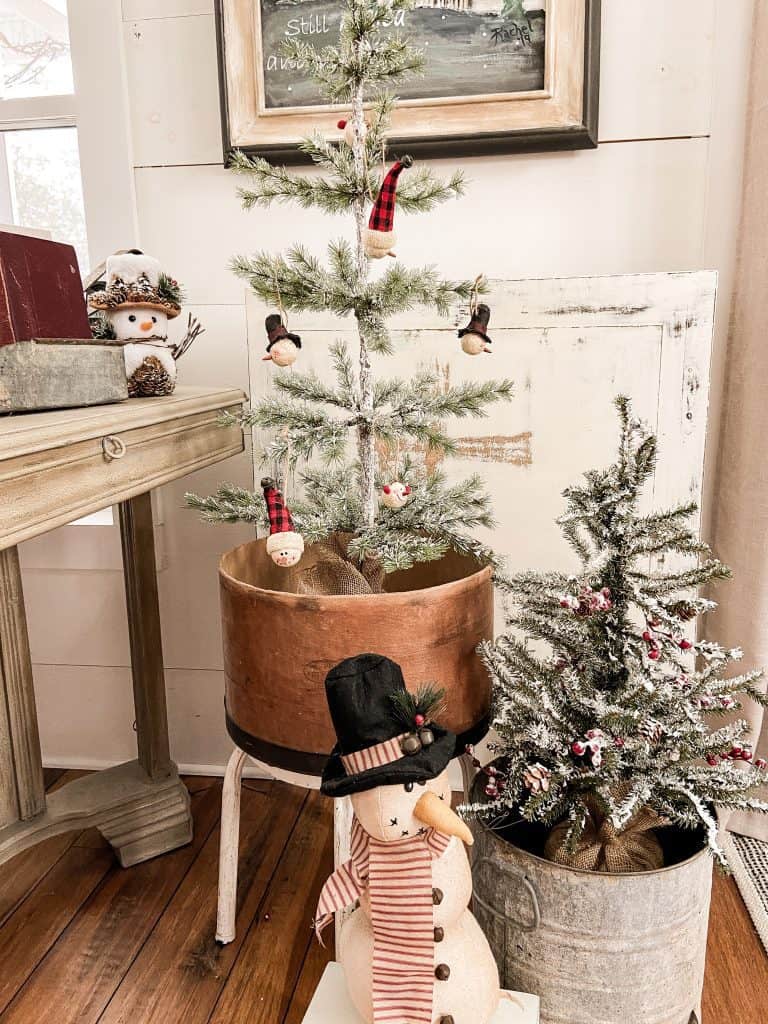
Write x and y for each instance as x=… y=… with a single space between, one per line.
x=501 y=76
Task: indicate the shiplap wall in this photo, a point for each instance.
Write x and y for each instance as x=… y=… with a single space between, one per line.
x=661 y=193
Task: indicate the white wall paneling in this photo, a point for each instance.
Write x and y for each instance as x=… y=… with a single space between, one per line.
x=660 y=194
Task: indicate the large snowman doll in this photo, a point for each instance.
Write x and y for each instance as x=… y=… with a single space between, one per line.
x=137 y=303
x=412 y=952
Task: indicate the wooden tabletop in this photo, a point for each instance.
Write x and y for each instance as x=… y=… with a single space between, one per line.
x=58 y=466
x=25 y=433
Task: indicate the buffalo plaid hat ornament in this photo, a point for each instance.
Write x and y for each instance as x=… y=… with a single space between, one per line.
x=379 y=235
x=282 y=347
x=284 y=546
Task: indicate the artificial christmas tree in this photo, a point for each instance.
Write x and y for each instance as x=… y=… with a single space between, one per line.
x=313 y=420
x=595 y=821
x=618 y=712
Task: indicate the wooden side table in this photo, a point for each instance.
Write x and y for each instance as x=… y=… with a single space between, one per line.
x=54 y=468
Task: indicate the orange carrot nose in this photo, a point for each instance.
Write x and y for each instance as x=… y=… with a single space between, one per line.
x=146 y=326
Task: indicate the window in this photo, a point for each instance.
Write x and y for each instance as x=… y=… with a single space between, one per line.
x=40 y=180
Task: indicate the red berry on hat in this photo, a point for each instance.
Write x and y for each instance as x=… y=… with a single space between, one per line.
x=341 y=125
x=386 y=488
x=578 y=748
x=654 y=654
x=419 y=720
x=685 y=645
x=647 y=636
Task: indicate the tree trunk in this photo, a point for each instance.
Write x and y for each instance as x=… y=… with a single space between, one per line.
x=365 y=439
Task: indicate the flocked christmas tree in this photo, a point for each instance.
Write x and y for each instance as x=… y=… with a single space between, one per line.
x=606 y=708
x=397 y=512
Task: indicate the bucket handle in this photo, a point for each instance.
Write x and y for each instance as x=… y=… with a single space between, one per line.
x=523 y=878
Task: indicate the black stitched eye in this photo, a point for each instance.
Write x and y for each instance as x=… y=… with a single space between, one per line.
x=154 y=319
x=408 y=787
x=132 y=318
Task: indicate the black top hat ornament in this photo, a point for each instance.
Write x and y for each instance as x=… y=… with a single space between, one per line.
x=474 y=338
x=282 y=347
x=385 y=734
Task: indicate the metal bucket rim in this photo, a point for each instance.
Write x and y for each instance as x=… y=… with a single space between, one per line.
x=503 y=843
x=473 y=580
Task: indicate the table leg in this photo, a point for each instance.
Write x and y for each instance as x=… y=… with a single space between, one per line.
x=140 y=570
x=22 y=792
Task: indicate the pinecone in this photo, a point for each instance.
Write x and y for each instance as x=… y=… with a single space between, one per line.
x=652 y=730
x=150 y=380
x=683 y=610
x=536 y=778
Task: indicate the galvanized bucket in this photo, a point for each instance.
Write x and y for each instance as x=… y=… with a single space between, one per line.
x=596 y=948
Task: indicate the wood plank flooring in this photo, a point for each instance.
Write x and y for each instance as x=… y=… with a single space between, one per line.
x=84 y=941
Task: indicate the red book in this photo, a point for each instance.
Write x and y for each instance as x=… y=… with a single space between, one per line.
x=41 y=294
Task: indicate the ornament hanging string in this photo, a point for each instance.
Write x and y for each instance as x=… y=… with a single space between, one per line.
x=475 y=294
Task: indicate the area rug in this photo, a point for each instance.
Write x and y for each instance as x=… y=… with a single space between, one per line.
x=749 y=860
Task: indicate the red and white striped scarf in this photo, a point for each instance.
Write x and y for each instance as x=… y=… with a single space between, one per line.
x=399 y=878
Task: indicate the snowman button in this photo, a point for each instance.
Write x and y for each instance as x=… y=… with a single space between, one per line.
x=442 y=972
x=439 y=934
x=437 y=897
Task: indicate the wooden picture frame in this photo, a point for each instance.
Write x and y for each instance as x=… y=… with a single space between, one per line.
x=561 y=115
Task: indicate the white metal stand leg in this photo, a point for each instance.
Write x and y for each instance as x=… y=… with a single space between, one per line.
x=342 y=832
x=229 y=843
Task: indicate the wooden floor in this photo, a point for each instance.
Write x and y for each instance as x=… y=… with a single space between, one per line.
x=82 y=940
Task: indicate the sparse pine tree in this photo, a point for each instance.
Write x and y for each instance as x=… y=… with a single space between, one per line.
x=315 y=425
x=605 y=706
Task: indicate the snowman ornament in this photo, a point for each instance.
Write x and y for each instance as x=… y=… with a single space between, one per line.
x=412 y=952
x=395 y=495
x=137 y=303
x=284 y=545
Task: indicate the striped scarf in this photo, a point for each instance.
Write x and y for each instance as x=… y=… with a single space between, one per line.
x=399 y=878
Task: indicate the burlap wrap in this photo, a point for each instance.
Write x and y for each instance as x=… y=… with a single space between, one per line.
x=602 y=848
x=335 y=573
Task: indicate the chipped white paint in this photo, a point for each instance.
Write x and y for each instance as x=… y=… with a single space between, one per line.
x=571 y=345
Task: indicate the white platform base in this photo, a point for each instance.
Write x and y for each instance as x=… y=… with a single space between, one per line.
x=331 y=1004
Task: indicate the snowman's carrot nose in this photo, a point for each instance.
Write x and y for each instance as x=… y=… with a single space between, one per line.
x=147 y=325
x=438 y=815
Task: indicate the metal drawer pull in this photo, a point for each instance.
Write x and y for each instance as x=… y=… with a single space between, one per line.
x=112 y=447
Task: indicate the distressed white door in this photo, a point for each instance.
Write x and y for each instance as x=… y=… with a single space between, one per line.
x=570 y=345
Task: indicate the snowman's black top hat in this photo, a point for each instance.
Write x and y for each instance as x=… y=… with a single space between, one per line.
x=373 y=743
x=478 y=323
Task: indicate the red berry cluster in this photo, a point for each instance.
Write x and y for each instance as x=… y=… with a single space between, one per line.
x=651 y=635
x=738 y=752
x=496 y=780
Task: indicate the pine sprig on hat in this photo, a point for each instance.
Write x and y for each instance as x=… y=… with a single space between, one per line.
x=418 y=708
x=169 y=289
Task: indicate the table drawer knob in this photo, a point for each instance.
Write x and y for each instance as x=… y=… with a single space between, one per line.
x=112 y=447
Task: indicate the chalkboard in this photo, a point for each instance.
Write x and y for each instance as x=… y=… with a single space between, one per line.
x=473 y=48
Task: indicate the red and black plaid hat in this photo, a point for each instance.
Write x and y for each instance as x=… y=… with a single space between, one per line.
x=383 y=212
x=279 y=516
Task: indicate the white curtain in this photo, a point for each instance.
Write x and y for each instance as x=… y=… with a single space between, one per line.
x=740 y=503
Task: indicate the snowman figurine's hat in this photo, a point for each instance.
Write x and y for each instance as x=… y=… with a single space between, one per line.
x=379 y=236
x=137 y=280
x=478 y=323
x=374 y=746
x=282 y=535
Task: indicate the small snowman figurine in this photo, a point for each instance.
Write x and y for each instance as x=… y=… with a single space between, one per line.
x=136 y=304
x=284 y=546
x=474 y=337
x=412 y=952
x=395 y=495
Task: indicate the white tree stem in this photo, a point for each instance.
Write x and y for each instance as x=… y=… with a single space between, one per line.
x=366 y=448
